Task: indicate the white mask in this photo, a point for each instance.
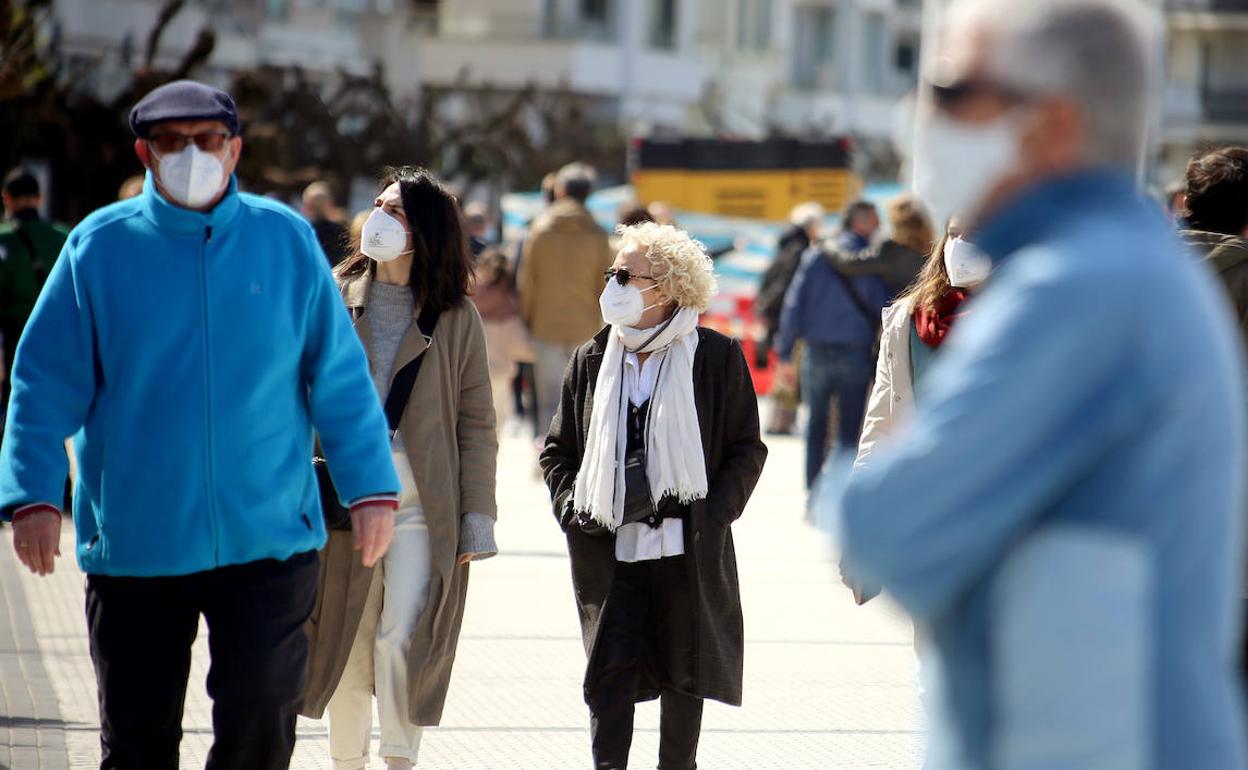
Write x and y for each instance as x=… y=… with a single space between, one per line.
x=966 y=265
x=623 y=305
x=956 y=164
x=383 y=237
x=192 y=177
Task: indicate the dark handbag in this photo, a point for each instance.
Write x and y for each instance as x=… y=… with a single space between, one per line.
x=337 y=516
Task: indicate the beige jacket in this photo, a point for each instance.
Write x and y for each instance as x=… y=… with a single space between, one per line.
x=560 y=275
x=448 y=429
x=892 y=397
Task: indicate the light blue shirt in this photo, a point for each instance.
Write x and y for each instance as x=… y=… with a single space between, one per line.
x=1063 y=518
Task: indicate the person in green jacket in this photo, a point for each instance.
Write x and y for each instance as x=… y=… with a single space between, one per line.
x=29 y=246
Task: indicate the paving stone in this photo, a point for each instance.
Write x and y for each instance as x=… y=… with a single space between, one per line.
x=827 y=684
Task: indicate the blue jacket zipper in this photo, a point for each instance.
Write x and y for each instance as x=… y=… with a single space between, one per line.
x=209 y=444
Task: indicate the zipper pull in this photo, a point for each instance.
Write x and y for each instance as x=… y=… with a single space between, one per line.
x=208 y=234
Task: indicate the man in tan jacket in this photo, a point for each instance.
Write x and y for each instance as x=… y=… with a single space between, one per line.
x=560 y=278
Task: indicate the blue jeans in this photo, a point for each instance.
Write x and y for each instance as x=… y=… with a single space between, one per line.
x=842 y=372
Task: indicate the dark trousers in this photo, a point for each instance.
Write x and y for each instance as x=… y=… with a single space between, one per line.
x=648 y=621
x=842 y=372
x=141 y=634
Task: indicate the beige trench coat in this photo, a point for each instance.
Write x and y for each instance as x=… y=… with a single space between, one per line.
x=448 y=430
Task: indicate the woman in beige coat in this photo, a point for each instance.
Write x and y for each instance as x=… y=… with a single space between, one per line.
x=392 y=631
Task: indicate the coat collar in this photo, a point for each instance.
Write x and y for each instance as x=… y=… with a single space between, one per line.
x=1046 y=207
x=355 y=292
x=179 y=221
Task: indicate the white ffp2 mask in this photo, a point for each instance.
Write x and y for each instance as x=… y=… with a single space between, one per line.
x=192 y=177
x=623 y=305
x=956 y=164
x=383 y=237
x=967 y=266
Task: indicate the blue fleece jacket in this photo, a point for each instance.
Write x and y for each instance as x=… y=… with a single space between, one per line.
x=1063 y=517
x=191 y=355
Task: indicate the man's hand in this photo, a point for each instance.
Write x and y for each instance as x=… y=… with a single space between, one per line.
x=786 y=374
x=464 y=558
x=372 y=526
x=37 y=540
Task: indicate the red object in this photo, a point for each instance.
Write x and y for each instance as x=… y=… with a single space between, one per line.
x=742 y=324
x=933 y=326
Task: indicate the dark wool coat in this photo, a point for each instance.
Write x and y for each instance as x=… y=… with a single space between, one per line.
x=728 y=416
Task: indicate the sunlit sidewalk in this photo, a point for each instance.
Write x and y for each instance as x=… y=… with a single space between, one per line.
x=827 y=684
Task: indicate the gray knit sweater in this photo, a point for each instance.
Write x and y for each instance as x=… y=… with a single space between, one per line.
x=391 y=310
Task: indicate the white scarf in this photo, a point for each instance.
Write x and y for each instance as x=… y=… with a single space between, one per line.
x=675 y=465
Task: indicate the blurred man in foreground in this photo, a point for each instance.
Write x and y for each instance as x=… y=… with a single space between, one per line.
x=1062 y=519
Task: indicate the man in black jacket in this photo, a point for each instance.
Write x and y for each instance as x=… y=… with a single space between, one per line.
x=805 y=223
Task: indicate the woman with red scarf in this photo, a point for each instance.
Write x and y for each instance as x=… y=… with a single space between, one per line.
x=914 y=328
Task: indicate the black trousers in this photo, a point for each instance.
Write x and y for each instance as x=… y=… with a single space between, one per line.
x=141 y=633
x=648 y=622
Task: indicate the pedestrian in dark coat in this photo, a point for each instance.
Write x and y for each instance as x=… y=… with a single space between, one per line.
x=665 y=571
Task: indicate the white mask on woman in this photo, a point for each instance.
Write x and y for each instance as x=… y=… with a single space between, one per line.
x=192 y=177
x=623 y=305
x=967 y=266
x=383 y=237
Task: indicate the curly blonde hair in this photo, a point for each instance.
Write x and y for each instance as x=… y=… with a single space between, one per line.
x=681 y=267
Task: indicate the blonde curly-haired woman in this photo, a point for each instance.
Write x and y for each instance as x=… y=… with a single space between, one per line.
x=653 y=453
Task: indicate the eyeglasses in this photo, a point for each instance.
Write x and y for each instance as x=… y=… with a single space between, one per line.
x=169 y=142
x=948 y=96
x=623 y=275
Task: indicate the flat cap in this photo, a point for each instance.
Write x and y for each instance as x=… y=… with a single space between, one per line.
x=183 y=100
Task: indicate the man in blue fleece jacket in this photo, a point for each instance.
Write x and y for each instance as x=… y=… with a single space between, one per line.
x=190 y=340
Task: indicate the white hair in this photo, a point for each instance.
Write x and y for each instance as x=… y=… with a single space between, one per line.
x=1097 y=52
x=806 y=214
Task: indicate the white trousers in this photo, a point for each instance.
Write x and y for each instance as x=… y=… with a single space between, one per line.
x=378 y=660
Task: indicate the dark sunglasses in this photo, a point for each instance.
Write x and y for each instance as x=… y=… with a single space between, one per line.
x=948 y=96
x=169 y=142
x=623 y=275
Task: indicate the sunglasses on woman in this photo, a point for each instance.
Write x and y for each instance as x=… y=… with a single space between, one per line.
x=170 y=142
x=623 y=275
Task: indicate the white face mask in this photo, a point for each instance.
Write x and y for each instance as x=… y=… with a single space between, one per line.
x=192 y=177
x=623 y=305
x=966 y=265
x=956 y=165
x=383 y=237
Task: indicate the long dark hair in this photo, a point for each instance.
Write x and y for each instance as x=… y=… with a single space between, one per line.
x=440 y=257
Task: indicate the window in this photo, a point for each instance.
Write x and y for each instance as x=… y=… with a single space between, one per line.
x=754 y=25
x=596 y=10
x=907 y=57
x=596 y=22
x=814 y=46
x=874 y=53
x=661 y=32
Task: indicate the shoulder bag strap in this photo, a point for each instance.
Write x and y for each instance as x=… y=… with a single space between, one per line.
x=872 y=319
x=401 y=386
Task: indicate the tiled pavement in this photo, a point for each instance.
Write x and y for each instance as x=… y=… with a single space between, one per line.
x=828 y=685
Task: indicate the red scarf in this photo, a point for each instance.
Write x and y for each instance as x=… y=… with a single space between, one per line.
x=933 y=325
